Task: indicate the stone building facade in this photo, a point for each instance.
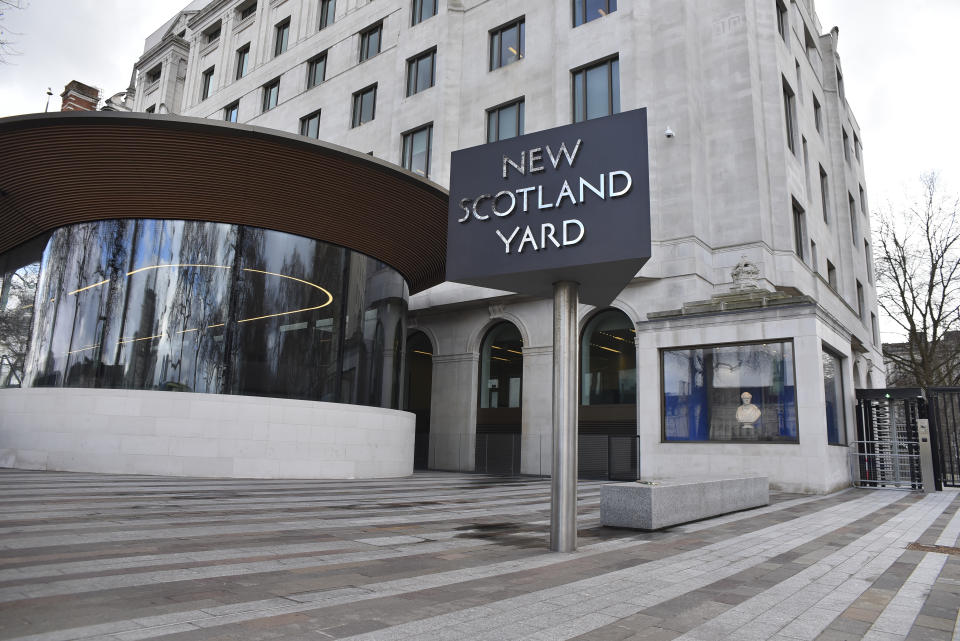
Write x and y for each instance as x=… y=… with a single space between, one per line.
x=760 y=280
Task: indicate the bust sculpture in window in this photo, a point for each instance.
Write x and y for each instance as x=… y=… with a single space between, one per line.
x=747 y=413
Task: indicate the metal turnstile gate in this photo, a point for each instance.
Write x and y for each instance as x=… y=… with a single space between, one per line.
x=887 y=450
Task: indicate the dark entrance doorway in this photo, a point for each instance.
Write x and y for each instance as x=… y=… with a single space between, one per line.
x=419 y=386
x=499 y=412
x=608 y=442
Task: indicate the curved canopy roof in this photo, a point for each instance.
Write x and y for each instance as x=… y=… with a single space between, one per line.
x=64 y=168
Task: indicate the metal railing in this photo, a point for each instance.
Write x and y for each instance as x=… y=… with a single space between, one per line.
x=886 y=464
x=601 y=456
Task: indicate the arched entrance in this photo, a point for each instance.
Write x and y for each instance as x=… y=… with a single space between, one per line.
x=419 y=386
x=498 y=403
x=608 y=398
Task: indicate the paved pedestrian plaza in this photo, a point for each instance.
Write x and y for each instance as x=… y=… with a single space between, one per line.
x=450 y=556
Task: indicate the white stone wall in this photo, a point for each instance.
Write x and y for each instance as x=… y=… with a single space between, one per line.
x=186 y=434
x=722 y=187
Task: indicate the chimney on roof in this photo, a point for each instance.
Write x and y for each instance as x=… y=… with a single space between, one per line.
x=79 y=97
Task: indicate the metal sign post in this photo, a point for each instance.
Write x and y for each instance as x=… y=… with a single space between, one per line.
x=563 y=481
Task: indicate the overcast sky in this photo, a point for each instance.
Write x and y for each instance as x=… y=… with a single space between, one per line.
x=899 y=61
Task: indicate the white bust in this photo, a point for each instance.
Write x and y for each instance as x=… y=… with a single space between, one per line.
x=747 y=413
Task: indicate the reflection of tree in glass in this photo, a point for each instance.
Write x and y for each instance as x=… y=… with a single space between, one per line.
x=17 y=292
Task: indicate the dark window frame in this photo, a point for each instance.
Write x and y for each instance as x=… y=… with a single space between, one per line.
x=356 y=113
x=365 y=40
x=328 y=10
x=153 y=75
x=281 y=36
x=790 y=115
x=496 y=110
x=270 y=98
x=212 y=33
x=580 y=16
x=824 y=194
x=305 y=123
x=783 y=21
x=842 y=428
x=243 y=61
x=312 y=65
x=799 y=229
x=406 y=151
x=247 y=9
x=232 y=109
x=206 y=83
x=417 y=14
x=662 y=390
x=495 y=40
x=817 y=114
x=413 y=71
x=579 y=75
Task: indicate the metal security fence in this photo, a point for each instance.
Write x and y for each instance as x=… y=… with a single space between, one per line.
x=887 y=450
x=944 y=414
x=600 y=456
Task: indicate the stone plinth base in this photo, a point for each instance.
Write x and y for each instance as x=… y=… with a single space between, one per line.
x=660 y=504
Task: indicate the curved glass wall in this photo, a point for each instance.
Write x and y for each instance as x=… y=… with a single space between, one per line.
x=215 y=308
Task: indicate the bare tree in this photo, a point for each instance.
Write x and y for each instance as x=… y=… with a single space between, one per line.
x=918 y=286
x=7 y=48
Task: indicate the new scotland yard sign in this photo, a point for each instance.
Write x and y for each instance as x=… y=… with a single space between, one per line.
x=566 y=204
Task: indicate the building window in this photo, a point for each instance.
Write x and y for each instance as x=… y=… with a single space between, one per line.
x=501 y=367
x=790 y=115
x=840 y=90
x=423 y=9
x=587 y=10
x=783 y=22
x=813 y=55
x=846 y=146
x=247 y=9
x=730 y=393
x=596 y=90
x=281 y=37
x=853 y=218
x=421 y=70
x=813 y=255
x=271 y=94
x=868 y=258
x=370 y=41
x=364 y=105
x=212 y=33
x=824 y=194
x=154 y=74
x=310 y=125
x=831 y=275
x=507 y=44
x=833 y=391
x=863 y=201
x=856 y=146
x=316 y=70
x=231 y=112
x=151 y=109
x=798 y=227
x=327 y=9
x=608 y=361
x=873 y=327
x=505 y=121
x=416 y=150
x=860 y=309
x=206 y=84
x=243 y=60
x=817 y=114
